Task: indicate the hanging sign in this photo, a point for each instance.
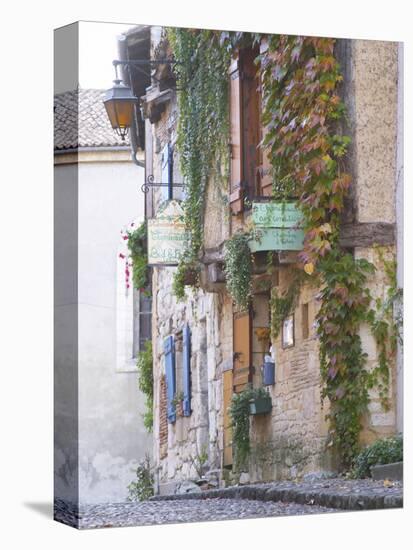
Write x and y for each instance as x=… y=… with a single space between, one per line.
x=276 y=214
x=277 y=226
x=167 y=237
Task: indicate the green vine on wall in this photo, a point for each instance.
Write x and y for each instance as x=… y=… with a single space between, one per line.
x=301 y=109
x=137 y=245
x=345 y=302
x=238 y=269
x=239 y=412
x=281 y=306
x=203 y=128
x=145 y=381
x=386 y=321
x=302 y=113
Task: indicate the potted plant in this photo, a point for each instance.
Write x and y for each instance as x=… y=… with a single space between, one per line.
x=260 y=402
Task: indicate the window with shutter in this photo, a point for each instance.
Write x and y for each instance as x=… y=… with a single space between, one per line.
x=186 y=371
x=170 y=376
x=145 y=319
x=250 y=122
x=245 y=136
x=236 y=197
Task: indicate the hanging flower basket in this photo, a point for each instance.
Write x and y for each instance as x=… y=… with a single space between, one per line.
x=260 y=405
x=190 y=276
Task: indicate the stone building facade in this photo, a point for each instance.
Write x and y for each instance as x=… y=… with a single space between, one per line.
x=291 y=440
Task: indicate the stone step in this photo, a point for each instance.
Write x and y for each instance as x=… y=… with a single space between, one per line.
x=337 y=493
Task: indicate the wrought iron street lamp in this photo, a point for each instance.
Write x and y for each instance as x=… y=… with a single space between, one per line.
x=119 y=103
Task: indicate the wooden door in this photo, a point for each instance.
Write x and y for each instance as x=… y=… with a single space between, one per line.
x=236 y=378
x=242 y=371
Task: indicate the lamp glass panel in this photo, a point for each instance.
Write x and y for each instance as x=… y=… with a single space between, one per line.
x=119 y=113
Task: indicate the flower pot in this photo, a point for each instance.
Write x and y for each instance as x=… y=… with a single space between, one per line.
x=190 y=277
x=260 y=405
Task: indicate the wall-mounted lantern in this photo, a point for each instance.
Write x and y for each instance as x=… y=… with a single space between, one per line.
x=119 y=103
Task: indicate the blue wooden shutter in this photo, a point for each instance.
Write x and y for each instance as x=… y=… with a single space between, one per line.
x=169 y=348
x=187 y=370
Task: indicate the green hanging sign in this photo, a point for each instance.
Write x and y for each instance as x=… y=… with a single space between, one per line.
x=167 y=236
x=276 y=214
x=273 y=238
x=277 y=226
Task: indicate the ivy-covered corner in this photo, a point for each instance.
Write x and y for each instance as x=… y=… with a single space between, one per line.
x=239 y=411
x=307 y=149
x=145 y=382
x=202 y=133
x=137 y=245
x=303 y=115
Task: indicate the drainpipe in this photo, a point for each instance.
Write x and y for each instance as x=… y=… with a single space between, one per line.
x=125 y=75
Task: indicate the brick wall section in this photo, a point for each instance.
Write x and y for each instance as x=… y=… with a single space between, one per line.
x=163 y=419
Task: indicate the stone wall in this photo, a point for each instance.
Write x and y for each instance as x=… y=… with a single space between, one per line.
x=178 y=445
x=291 y=441
x=374 y=109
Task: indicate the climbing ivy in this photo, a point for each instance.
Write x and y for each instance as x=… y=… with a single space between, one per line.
x=302 y=115
x=281 y=306
x=203 y=127
x=345 y=302
x=386 y=325
x=137 y=246
x=301 y=109
x=306 y=147
x=145 y=376
x=239 y=412
x=238 y=269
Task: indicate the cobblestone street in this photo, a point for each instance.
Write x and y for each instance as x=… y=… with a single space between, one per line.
x=180 y=511
x=283 y=498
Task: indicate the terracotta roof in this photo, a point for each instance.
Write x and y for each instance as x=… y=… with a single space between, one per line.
x=80 y=120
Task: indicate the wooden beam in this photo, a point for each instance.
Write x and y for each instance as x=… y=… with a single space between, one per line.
x=367 y=234
x=213 y=255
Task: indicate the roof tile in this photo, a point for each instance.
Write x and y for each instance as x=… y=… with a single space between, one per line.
x=80 y=120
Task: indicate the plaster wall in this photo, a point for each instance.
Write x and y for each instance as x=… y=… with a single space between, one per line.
x=111 y=435
x=66 y=450
x=374 y=91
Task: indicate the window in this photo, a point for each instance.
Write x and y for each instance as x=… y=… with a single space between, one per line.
x=178 y=372
x=248 y=169
x=133 y=312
